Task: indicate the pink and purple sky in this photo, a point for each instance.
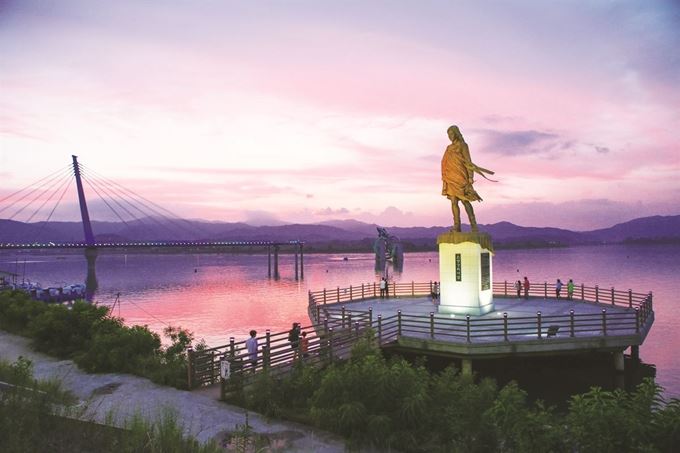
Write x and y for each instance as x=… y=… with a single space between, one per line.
x=306 y=111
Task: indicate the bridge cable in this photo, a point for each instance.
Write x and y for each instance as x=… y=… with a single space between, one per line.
x=64 y=181
x=105 y=202
x=36 y=182
x=191 y=226
x=40 y=194
x=109 y=189
x=134 y=203
x=53 y=209
x=49 y=181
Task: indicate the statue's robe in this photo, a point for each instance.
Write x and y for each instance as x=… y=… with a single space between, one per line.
x=457 y=173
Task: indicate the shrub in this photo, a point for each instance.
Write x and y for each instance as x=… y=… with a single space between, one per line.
x=95 y=341
x=63 y=331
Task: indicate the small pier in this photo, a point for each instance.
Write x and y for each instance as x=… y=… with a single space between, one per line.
x=593 y=320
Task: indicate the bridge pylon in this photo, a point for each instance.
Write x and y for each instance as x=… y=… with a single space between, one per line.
x=87 y=226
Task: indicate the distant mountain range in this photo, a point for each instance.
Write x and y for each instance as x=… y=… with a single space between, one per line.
x=338 y=234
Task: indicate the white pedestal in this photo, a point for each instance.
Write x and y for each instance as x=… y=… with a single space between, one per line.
x=465 y=273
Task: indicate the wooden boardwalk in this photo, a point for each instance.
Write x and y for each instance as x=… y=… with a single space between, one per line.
x=594 y=320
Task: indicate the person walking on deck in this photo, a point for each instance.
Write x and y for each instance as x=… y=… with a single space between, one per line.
x=570 y=289
x=558 y=288
x=527 y=286
x=518 y=288
x=251 y=345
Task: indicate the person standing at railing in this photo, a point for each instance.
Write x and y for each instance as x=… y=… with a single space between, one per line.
x=383 y=287
x=294 y=340
x=518 y=288
x=304 y=345
x=570 y=289
x=527 y=286
x=558 y=288
x=251 y=345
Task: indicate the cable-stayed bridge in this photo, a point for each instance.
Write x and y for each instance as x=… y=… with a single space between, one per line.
x=36 y=204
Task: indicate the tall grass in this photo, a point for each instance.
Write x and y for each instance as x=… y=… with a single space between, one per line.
x=39 y=416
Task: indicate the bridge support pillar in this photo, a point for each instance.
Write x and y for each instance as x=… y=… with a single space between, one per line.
x=466 y=366
x=276 y=262
x=618 y=361
x=302 y=263
x=269 y=261
x=91 y=283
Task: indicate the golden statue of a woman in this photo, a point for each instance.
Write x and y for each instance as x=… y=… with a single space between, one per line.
x=458 y=176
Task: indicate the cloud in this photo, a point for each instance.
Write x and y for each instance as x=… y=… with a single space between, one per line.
x=601 y=149
x=329 y=211
x=520 y=142
x=390 y=216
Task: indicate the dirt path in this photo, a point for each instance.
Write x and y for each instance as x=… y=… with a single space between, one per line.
x=124 y=395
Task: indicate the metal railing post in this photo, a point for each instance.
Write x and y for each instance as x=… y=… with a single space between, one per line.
x=505 y=288
x=343 y=316
x=398 y=323
x=338 y=294
x=362 y=292
x=467 y=326
x=374 y=294
x=356 y=328
x=379 y=329
x=266 y=357
x=571 y=323
x=431 y=324
x=505 y=325
x=268 y=339
x=324 y=296
x=370 y=317
x=604 y=322
x=232 y=347
x=637 y=319
x=413 y=288
x=612 y=295
x=349 y=320
x=318 y=314
x=545 y=290
x=597 y=294
x=350 y=292
x=630 y=298
x=538 y=319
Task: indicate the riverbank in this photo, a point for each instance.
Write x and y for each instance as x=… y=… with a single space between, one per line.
x=113 y=397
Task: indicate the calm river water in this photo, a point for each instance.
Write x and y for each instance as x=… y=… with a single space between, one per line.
x=221 y=295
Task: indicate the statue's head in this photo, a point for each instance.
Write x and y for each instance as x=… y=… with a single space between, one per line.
x=454 y=133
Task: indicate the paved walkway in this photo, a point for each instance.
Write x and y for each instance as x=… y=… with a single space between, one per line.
x=124 y=395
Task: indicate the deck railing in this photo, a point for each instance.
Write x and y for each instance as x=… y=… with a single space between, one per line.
x=336 y=328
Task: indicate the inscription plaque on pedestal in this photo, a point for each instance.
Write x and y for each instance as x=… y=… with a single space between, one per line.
x=486 y=271
x=458 y=268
